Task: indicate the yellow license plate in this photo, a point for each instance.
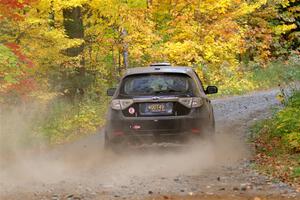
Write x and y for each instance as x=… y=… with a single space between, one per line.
x=157 y=108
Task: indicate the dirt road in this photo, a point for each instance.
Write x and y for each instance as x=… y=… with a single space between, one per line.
x=219 y=170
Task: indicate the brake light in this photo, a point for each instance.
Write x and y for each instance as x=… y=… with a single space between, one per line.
x=197 y=102
x=186 y=102
x=193 y=102
x=121 y=104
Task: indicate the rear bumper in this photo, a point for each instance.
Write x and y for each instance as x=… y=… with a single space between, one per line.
x=163 y=128
x=150 y=138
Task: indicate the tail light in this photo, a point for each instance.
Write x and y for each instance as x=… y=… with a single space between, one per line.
x=193 y=102
x=121 y=104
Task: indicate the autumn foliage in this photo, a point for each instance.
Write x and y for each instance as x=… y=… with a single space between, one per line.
x=277 y=143
x=12 y=8
x=81 y=46
x=14 y=65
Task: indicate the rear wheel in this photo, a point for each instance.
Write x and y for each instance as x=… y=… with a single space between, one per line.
x=210 y=136
x=107 y=143
x=207 y=133
x=112 y=145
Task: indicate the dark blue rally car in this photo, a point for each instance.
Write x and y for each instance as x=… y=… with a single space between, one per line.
x=159 y=103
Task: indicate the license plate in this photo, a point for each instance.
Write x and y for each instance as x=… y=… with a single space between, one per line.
x=156 y=108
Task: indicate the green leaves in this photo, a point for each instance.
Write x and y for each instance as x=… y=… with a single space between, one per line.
x=285 y=125
x=10 y=67
x=68 y=122
x=10 y=79
x=277 y=143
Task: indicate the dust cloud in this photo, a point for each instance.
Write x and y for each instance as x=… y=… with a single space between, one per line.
x=87 y=162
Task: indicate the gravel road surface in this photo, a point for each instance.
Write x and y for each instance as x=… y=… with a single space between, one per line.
x=221 y=169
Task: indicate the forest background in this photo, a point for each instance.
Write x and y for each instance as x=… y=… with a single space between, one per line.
x=62 y=55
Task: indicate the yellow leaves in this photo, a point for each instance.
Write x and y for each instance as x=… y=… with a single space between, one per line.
x=232 y=82
x=112 y=9
x=35 y=21
x=205 y=32
x=281 y=29
x=137 y=3
x=43 y=96
x=245 y=8
x=182 y=53
x=60 y=39
x=43 y=5
x=190 y=32
x=69 y=3
x=197 y=32
x=54 y=34
x=286 y=3
x=207 y=6
x=294 y=9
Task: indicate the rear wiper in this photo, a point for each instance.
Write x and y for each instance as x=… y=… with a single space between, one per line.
x=165 y=91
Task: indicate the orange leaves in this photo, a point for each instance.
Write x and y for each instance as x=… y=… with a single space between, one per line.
x=15 y=72
x=17 y=51
x=10 y=8
x=14 y=4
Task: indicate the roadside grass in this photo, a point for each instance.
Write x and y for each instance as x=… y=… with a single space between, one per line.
x=277 y=143
x=260 y=78
x=296 y=172
x=66 y=122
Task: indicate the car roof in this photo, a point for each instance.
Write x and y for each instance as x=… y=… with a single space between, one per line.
x=159 y=69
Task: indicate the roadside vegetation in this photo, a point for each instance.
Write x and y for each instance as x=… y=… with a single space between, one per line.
x=63 y=55
x=277 y=142
x=257 y=77
x=67 y=122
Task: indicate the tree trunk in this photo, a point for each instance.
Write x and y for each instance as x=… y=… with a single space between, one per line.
x=73 y=25
x=125 y=49
x=119 y=62
x=149 y=3
x=74 y=28
x=51 y=16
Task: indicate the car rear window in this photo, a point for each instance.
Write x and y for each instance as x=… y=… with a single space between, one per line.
x=153 y=84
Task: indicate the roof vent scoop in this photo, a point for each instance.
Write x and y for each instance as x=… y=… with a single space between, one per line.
x=162 y=64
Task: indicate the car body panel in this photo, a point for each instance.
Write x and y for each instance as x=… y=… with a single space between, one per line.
x=197 y=121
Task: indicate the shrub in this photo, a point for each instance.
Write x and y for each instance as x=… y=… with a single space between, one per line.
x=287 y=123
x=66 y=122
x=277 y=143
x=284 y=126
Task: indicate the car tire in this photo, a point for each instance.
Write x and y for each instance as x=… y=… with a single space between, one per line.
x=111 y=146
x=107 y=143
